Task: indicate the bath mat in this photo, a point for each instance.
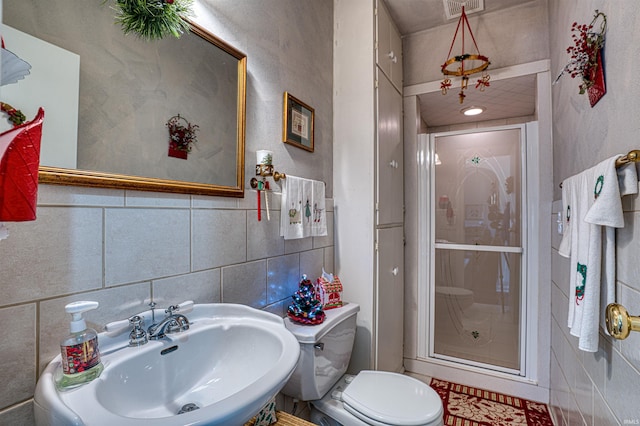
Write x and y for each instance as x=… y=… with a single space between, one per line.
x=468 y=406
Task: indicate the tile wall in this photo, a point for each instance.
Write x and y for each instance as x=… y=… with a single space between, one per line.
x=601 y=388
x=126 y=248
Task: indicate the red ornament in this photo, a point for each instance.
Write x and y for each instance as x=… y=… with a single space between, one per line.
x=597 y=90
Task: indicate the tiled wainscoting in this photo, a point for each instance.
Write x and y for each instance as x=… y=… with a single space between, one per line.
x=599 y=388
x=126 y=248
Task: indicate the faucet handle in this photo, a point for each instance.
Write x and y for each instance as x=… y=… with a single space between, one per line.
x=116 y=327
x=136 y=321
x=183 y=308
x=138 y=336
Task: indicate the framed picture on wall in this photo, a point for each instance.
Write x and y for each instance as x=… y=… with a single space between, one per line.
x=298 y=123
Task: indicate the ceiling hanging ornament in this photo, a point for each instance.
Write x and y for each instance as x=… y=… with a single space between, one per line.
x=154 y=19
x=465 y=64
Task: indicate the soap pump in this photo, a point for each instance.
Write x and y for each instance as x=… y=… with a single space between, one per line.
x=80 y=355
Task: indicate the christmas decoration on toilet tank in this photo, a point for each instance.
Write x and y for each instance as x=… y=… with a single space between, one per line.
x=306 y=308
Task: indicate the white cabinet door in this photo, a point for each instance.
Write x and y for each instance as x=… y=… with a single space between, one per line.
x=390 y=194
x=389 y=48
x=390 y=299
x=396 y=57
x=383 y=50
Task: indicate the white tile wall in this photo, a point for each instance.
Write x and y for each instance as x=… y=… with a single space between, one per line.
x=124 y=249
x=219 y=237
x=597 y=388
x=18 y=349
x=245 y=283
x=142 y=244
x=63 y=249
x=283 y=276
x=201 y=287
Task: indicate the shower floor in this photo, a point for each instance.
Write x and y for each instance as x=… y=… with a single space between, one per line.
x=481 y=333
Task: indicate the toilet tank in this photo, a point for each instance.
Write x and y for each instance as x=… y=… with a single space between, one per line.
x=325 y=350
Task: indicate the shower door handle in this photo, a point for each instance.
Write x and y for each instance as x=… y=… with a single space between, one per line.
x=395 y=271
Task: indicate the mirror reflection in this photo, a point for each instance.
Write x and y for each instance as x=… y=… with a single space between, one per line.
x=478 y=188
x=129 y=90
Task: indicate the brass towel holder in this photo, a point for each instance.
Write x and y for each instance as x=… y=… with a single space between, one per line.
x=619 y=322
x=632 y=157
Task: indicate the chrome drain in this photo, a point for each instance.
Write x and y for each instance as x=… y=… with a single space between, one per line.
x=188 y=407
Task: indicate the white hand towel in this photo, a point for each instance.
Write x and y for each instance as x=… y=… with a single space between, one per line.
x=290 y=209
x=303 y=212
x=607 y=211
x=319 y=226
x=606 y=206
x=591 y=204
x=628 y=179
x=306 y=201
x=568 y=200
x=579 y=233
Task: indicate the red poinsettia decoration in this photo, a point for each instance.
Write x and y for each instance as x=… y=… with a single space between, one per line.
x=586 y=52
x=182 y=136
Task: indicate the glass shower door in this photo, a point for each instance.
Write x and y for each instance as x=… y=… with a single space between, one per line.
x=477 y=248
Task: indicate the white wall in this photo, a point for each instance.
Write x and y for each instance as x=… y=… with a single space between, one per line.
x=596 y=388
x=510 y=36
x=353 y=161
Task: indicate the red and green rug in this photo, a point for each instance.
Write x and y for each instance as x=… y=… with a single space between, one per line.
x=468 y=406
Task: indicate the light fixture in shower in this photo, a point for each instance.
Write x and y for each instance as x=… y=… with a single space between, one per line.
x=472 y=110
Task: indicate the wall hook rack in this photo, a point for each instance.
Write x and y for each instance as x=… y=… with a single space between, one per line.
x=266 y=170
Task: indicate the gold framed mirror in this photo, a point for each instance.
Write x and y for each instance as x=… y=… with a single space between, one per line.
x=129 y=89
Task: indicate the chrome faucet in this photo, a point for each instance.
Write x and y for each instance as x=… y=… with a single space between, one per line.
x=172 y=323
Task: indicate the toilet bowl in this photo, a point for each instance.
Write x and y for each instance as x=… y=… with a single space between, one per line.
x=375 y=398
x=378 y=398
x=461 y=297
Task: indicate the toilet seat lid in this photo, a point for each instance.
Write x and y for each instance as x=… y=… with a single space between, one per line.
x=391 y=398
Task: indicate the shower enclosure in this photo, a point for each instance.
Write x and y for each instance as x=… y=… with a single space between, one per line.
x=474 y=216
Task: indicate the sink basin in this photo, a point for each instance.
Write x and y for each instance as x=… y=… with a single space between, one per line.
x=225 y=368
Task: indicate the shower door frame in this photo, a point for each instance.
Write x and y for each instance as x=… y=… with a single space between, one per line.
x=427 y=248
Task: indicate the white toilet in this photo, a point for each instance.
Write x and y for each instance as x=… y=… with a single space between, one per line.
x=368 y=398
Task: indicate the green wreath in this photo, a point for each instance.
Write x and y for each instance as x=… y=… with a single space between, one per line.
x=154 y=19
x=15 y=115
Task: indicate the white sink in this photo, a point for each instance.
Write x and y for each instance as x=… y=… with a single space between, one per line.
x=230 y=363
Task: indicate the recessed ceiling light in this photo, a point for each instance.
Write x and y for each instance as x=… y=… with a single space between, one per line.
x=472 y=110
